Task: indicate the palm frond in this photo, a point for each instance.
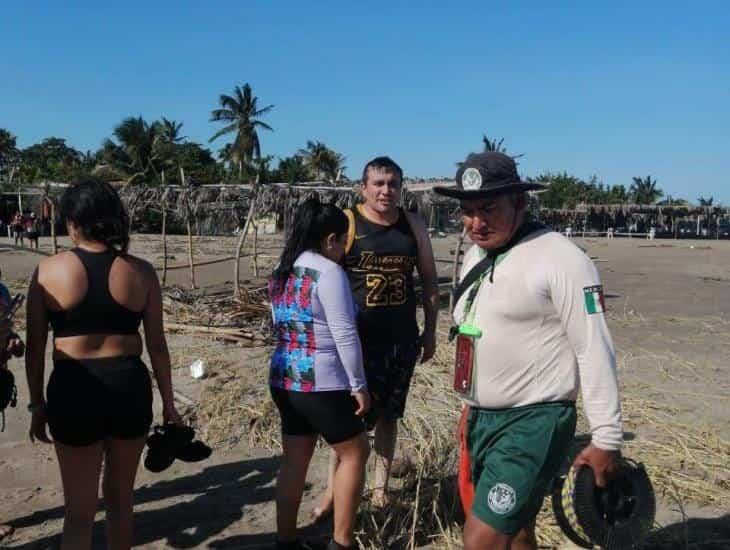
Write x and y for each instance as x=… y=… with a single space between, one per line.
x=227 y=130
x=263 y=125
x=259 y=112
x=222 y=114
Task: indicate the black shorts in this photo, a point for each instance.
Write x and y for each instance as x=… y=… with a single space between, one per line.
x=91 y=400
x=330 y=414
x=388 y=371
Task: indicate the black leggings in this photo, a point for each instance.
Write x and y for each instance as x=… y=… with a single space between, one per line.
x=91 y=400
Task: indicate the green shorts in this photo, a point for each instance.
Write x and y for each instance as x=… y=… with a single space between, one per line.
x=515 y=454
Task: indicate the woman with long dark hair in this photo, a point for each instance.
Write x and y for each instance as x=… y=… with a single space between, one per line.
x=316 y=375
x=99 y=395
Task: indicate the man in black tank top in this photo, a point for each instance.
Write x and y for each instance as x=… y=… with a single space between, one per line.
x=380 y=266
x=385 y=245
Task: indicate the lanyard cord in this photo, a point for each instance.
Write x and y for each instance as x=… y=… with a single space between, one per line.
x=525 y=229
x=469 y=312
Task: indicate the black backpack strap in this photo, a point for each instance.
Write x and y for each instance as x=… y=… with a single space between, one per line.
x=487 y=263
x=471 y=277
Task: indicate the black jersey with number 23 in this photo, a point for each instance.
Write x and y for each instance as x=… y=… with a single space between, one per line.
x=380 y=266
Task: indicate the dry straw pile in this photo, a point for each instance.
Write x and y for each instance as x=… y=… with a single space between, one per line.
x=426 y=510
x=687 y=463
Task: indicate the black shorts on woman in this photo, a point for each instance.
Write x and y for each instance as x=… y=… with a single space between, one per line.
x=330 y=414
x=90 y=400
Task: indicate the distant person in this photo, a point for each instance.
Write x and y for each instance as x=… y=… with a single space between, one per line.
x=386 y=245
x=10 y=345
x=531 y=330
x=316 y=375
x=17 y=229
x=609 y=233
x=99 y=407
x=32 y=230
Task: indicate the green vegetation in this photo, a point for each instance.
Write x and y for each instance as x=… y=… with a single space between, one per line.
x=153 y=153
x=156 y=153
x=241 y=115
x=566 y=191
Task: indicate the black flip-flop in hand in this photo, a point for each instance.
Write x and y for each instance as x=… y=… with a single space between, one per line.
x=171 y=441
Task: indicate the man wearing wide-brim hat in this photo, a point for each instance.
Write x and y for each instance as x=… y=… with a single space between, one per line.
x=530 y=329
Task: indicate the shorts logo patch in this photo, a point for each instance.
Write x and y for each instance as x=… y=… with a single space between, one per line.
x=501 y=499
x=594 y=299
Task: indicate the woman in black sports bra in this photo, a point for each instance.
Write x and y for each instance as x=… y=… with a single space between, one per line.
x=99 y=395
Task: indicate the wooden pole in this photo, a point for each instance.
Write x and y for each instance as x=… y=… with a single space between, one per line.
x=239 y=246
x=164 y=230
x=188 y=220
x=455 y=268
x=164 y=244
x=254 y=256
x=191 y=263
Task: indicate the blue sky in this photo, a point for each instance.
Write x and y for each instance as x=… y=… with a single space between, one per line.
x=617 y=90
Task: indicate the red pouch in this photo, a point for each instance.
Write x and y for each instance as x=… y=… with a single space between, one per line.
x=464 y=365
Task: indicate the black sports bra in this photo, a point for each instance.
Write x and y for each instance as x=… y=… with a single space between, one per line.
x=98 y=312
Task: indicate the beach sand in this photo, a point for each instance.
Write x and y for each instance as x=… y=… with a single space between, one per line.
x=668 y=308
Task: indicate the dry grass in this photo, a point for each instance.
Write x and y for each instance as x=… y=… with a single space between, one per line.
x=687 y=462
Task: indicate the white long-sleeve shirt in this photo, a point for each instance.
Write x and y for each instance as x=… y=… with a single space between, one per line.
x=544 y=333
x=318 y=348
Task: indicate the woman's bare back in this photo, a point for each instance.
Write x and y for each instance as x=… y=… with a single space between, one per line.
x=64 y=282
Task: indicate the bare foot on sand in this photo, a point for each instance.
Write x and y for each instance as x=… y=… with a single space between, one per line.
x=324 y=510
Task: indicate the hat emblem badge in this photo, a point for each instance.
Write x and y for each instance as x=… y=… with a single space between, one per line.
x=471 y=179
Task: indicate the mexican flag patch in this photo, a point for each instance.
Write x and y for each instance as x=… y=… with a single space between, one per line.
x=594 y=299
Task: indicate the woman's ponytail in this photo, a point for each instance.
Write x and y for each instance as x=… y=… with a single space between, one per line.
x=313 y=222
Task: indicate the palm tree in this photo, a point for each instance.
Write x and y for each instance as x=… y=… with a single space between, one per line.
x=493 y=145
x=262 y=167
x=706 y=202
x=8 y=148
x=134 y=153
x=645 y=191
x=242 y=116
x=291 y=169
x=335 y=166
x=88 y=161
x=323 y=162
x=315 y=158
x=168 y=131
x=496 y=146
x=167 y=137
